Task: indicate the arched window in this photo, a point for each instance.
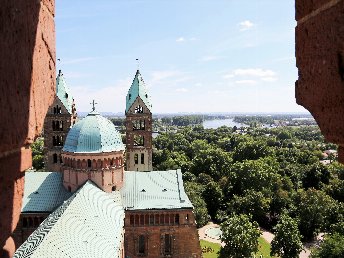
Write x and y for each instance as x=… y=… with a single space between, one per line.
x=176 y=219
x=139 y=109
x=168 y=244
x=24 y=222
x=136 y=158
x=69 y=189
x=142 y=158
x=89 y=163
x=54 y=158
x=114 y=188
x=142 y=245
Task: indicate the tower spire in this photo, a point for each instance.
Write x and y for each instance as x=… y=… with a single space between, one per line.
x=93 y=103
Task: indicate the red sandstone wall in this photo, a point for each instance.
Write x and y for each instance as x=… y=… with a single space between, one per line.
x=27 y=68
x=320 y=60
x=185 y=239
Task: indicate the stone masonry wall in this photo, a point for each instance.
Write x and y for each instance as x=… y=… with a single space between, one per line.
x=27 y=83
x=320 y=61
x=154 y=226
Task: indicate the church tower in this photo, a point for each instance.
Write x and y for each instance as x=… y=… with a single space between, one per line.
x=138 y=125
x=60 y=117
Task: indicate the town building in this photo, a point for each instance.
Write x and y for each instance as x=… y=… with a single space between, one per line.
x=93 y=208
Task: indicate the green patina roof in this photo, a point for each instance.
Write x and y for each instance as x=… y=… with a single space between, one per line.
x=93 y=134
x=154 y=190
x=63 y=92
x=43 y=191
x=89 y=224
x=138 y=89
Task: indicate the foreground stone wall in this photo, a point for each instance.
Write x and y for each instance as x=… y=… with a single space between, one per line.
x=320 y=60
x=27 y=78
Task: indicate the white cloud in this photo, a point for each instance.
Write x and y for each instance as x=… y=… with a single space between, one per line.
x=245 y=82
x=245 y=75
x=245 y=25
x=254 y=72
x=209 y=58
x=269 y=79
x=198 y=84
x=183 y=39
x=182 y=90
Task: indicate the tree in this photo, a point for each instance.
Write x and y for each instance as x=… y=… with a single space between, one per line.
x=38 y=162
x=331 y=247
x=240 y=236
x=213 y=197
x=287 y=241
x=194 y=192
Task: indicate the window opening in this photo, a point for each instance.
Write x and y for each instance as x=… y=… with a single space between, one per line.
x=168 y=244
x=136 y=158
x=139 y=109
x=139 y=140
x=141 y=244
x=89 y=163
x=142 y=158
x=55 y=158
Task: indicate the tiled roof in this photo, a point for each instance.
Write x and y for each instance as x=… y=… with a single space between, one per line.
x=93 y=134
x=63 y=92
x=138 y=89
x=43 y=191
x=154 y=190
x=89 y=224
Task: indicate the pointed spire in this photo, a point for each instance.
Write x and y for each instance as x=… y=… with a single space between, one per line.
x=138 y=89
x=63 y=92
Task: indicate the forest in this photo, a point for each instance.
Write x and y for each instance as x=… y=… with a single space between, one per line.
x=273 y=177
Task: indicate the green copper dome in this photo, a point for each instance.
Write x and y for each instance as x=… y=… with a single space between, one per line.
x=93 y=134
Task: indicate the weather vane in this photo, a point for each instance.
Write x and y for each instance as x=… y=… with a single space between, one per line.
x=138 y=64
x=93 y=105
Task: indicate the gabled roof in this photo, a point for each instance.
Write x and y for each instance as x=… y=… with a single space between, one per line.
x=138 y=89
x=93 y=134
x=63 y=92
x=89 y=224
x=154 y=190
x=43 y=191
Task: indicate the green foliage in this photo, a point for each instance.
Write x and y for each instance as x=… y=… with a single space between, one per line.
x=38 y=162
x=315 y=176
x=240 y=236
x=251 y=202
x=287 y=241
x=315 y=211
x=251 y=150
x=37 y=147
x=212 y=195
x=37 y=154
x=331 y=247
x=194 y=192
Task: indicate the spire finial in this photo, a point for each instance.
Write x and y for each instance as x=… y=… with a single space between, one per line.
x=138 y=64
x=93 y=105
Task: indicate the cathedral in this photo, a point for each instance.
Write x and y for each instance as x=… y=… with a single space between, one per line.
x=87 y=205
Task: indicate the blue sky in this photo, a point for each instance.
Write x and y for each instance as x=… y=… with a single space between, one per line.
x=195 y=56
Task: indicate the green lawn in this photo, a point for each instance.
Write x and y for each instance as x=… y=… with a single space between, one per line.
x=264 y=249
x=215 y=247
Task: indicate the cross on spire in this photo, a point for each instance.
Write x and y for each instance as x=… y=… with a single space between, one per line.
x=93 y=105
